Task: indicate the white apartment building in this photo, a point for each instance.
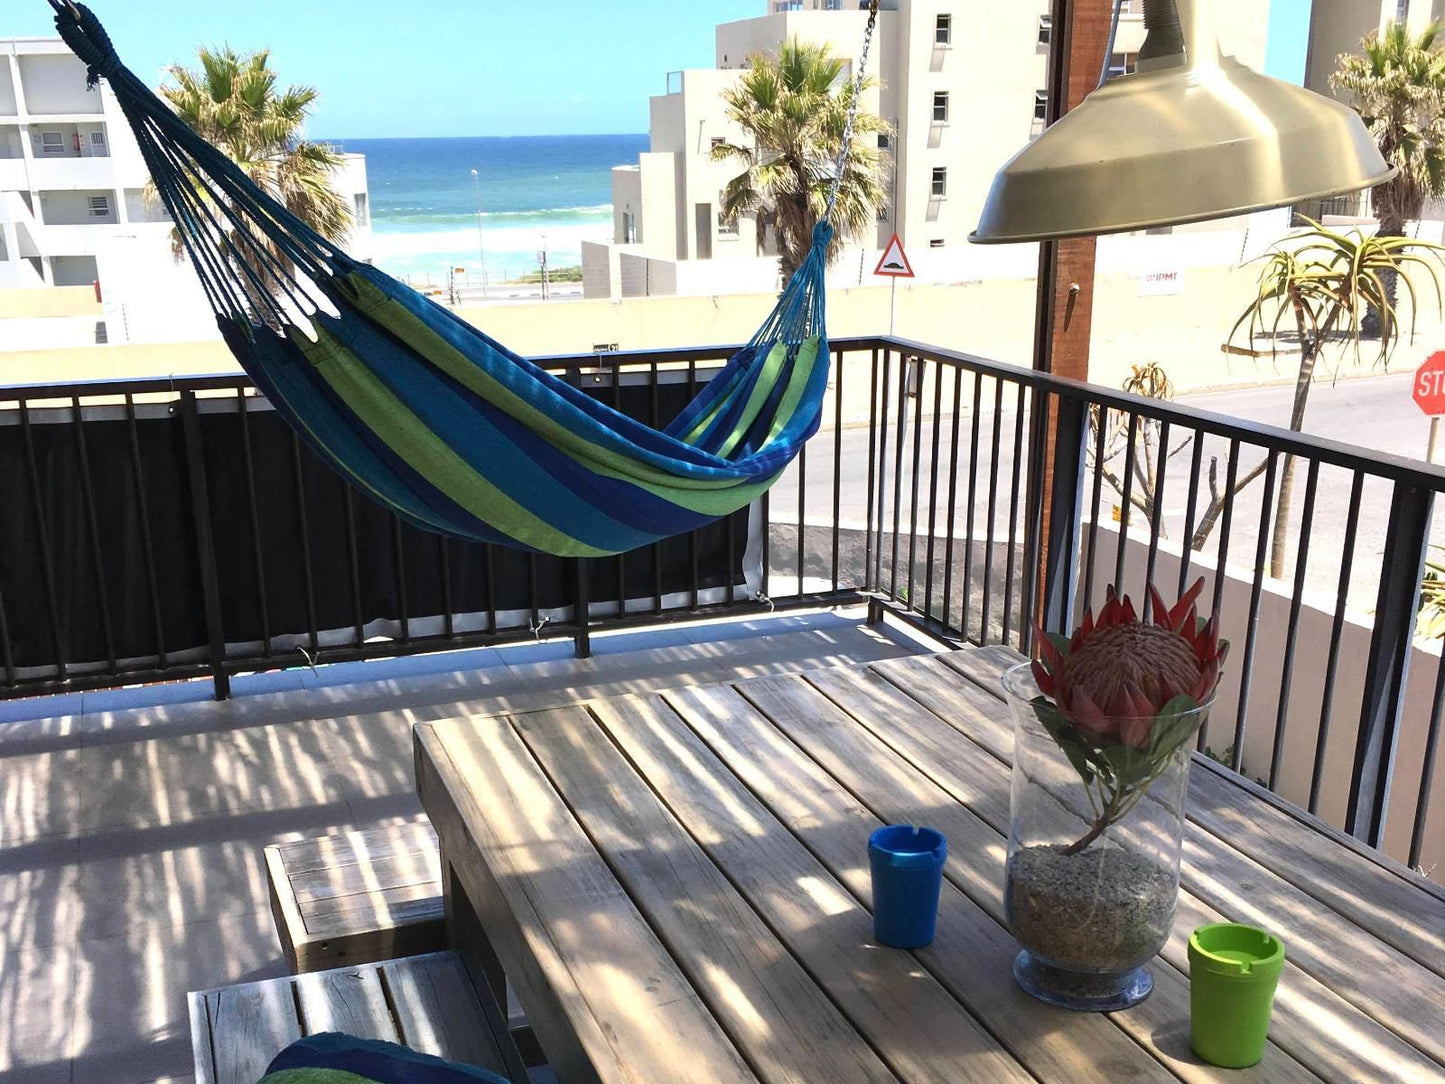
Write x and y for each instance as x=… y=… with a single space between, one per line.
x=73 y=210
x=962 y=84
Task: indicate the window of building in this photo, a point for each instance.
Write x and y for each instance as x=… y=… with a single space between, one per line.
x=726 y=230
x=99 y=206
x=1402 y=10
x=97 y=144
x=1122 y=64
x=1046 y=29
x=943 y=30
x=780 y=6
x=882 y=214
x=1041 y=105
x=939 y=185
x=940 y=106
x=629 y=228
x=359 y=210
x=935 y=242
x=52 y=143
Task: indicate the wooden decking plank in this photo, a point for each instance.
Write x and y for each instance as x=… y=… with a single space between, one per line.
x=250 y=1025
x=437 y=1010
x=857 y=763
x=395 y=871
x=559 y=920
x=727 y=764
x=1394 y=907
x=349 y=1000
x=358 y=847
x=777 y=1015
x=1380 y=981
x=410 y=903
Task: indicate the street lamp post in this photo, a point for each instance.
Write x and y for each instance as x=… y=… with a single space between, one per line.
x=481 y=237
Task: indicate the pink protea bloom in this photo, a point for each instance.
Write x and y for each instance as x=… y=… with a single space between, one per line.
x=1119 y=672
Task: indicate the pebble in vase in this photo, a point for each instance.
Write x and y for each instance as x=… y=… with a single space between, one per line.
x=1103 y=723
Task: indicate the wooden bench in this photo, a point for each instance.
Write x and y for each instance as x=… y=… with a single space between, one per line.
x=428 y=1003
x=357 y=897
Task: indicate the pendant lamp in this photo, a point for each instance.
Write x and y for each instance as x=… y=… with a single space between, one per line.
x=1191 y=135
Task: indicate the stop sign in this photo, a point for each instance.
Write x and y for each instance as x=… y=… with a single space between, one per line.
x=1429 y=390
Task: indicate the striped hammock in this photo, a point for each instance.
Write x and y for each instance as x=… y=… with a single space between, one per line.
x=432 y=418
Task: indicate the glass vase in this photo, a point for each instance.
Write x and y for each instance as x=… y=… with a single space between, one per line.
x=1095 y=832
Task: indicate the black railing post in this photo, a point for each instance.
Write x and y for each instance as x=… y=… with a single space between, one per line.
x=205 y=544
x=1066 y=511
x=1388 y=664
x=582 y=638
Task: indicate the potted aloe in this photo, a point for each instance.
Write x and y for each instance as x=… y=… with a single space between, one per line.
x=1103 y=723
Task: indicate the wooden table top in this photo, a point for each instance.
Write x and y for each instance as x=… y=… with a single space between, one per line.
x=677 y=883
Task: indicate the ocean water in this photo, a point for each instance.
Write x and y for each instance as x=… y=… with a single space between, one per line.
x=535 y=192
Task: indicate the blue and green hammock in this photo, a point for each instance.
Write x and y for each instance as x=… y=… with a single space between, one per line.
x=432 y=418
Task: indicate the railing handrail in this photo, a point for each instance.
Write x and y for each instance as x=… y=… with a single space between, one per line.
x=1272 y=437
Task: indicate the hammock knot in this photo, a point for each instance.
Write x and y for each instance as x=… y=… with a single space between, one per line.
x=822 y=234
x=82 y=31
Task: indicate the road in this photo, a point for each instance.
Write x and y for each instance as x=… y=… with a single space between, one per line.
x=1374 y=412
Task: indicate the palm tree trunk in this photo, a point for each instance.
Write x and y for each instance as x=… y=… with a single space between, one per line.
x=1372 y=325
x=1309 y=353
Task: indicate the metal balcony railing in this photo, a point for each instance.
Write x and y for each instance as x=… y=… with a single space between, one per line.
x=164 y=528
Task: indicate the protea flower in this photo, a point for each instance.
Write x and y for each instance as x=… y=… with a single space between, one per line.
x=1118 y=672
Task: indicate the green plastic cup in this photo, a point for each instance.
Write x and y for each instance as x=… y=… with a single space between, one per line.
x=1233 y=972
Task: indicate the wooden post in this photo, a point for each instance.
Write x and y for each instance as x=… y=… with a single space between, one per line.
x=1063 y=314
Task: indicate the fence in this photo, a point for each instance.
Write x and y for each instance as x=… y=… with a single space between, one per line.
x=963 y=496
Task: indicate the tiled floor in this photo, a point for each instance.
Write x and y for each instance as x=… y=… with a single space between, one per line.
x=132 y=822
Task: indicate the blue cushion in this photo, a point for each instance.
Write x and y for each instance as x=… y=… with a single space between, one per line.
x=385 y=1063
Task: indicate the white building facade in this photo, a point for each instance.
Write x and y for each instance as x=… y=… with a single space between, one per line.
x=73 y=209
x=963 y=86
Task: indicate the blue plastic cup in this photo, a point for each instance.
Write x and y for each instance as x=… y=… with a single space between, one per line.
x=907 y=866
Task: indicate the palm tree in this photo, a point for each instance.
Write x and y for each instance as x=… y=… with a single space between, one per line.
x=232 y=102
x=795 y=108
x=1397 y=83
x=1323 y=282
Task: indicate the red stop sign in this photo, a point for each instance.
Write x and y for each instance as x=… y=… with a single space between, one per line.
x=1429 y=390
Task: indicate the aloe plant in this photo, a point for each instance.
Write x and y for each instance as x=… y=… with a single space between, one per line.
x=1321 y=283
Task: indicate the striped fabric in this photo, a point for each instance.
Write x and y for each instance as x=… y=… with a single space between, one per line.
x=428 y=416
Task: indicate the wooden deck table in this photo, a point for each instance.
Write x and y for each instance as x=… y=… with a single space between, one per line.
x=676 y=885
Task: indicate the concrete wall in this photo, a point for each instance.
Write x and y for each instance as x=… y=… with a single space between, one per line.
x=9 y=107
x=41 y=304
x=1336 y=26
x=1306 y=690
x=73 y=208
x=55 y=83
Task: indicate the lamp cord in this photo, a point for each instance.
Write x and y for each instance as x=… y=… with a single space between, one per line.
x=1113 y=36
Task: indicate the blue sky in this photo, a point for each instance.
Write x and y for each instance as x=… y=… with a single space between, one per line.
x=468 y=67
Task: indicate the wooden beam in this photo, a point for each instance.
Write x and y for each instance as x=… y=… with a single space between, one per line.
x=1064 y=315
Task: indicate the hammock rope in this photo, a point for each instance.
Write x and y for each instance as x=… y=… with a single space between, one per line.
x=429 y=416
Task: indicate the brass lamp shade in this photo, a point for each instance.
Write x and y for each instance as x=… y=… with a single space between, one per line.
x=1197 y=136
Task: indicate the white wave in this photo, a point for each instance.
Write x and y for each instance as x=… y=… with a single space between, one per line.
x=509 y=250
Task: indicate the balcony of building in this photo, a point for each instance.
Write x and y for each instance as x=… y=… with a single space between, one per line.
x=170 y=541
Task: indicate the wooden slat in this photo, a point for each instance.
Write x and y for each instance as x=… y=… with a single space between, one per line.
x=349 y=1000
x=249 y=1026
x=368 y=911
x=1308 y=876
x=777 y=1015
x=605 y=998
x=437 y=1010
x=1392 y=903
x=903 y=797
x=392 y=871
x=744 y=829
x=201 y=1055
x=1315 y=1021
x=360 y=847
x=290 y=926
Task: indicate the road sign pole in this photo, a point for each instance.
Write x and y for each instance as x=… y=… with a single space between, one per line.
x=1434 y=439
x=893 y=311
